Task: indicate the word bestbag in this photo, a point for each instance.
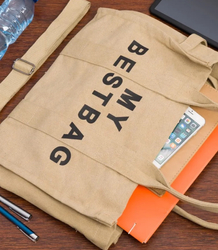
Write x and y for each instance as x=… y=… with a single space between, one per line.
x=85 y=136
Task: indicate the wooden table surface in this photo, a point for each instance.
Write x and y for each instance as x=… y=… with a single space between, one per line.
x=174 y=233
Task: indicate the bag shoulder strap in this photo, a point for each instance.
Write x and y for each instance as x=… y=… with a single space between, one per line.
x=32 y=60
x=210 y=225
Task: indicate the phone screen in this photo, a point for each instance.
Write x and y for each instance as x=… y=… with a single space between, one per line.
x=181 y=133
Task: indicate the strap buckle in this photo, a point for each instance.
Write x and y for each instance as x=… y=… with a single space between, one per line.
x=31 y=70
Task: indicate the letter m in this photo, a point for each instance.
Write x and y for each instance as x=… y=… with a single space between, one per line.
x=126 y=99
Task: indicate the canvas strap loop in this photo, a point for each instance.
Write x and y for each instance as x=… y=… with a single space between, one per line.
x=33 y=59
x=196 y=47
x=27 y=70
x=193 y=41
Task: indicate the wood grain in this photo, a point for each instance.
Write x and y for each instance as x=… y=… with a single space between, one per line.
x=174 y=233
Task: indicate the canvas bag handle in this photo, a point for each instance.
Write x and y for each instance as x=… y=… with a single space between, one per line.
x=210 y=225
x=206 y=206
x=32 y=60
x=194 y=49
x=191 y=45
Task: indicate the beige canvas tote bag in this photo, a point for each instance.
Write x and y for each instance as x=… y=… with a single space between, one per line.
x=86 y=135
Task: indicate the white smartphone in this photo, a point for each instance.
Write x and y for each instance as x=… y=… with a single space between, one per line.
x=187 y=127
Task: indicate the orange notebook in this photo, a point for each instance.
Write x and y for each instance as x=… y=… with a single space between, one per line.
x=145 y=211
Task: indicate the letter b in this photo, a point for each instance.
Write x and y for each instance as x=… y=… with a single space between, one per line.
x=137 y=48
x=89 y=114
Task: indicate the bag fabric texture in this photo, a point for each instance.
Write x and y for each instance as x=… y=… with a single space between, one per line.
x=85 y=136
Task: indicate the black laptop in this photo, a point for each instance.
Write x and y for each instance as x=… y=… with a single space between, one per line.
x=192 y=16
